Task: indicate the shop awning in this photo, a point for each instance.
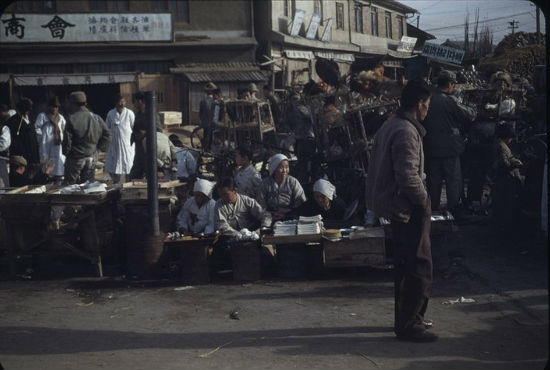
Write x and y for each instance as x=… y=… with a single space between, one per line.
x=339 y=57
x=299 y=54
x=220 y=72
x=73 y=79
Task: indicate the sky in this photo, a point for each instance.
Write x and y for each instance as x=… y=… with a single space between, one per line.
x=445 y=18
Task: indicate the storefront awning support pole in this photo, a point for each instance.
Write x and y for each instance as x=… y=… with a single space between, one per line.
x=152 y=181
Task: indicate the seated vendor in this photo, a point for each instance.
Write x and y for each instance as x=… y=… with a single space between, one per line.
x=235 y=212
x=324 y=203
x=197 y=214
x=280 y=192
x=18 y=177
x=186 y=163
x=247 y=178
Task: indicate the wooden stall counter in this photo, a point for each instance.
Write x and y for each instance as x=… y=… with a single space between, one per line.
x=28 y=209
x=365 y=248
x=194 y=253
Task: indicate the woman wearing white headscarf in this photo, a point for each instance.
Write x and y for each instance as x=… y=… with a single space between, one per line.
x=198 y=212
x=324 y=202
x=281 y=192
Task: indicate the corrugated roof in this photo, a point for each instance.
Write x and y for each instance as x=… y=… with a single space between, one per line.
x=215 y=67
x=225 y=76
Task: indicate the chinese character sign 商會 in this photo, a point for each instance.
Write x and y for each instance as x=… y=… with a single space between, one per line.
x=21 y=28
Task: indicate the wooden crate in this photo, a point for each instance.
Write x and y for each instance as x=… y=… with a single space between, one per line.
x=369 y=251
x=138 y=189
x=246 y=260
x=170 y=118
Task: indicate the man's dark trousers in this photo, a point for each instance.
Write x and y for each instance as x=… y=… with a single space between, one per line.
x=413 y=269
x=448 y=169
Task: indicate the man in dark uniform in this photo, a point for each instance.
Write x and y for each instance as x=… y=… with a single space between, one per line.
x=444 y=142
x=395 y=190
x=86 y=133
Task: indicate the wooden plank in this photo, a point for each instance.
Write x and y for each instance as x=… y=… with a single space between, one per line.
x=189 y=242
x=291 y=239
x=358 y=252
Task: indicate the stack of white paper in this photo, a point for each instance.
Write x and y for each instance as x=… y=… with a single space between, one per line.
x=282 y=228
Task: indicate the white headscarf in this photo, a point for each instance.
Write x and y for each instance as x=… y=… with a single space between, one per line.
x=204 y=186
x=324 y=187
x=275 y=161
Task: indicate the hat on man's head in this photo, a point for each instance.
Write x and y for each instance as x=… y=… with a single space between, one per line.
x=4 y=108
x=210 y=86
x=18 y=160
x=252 y=87
x=77 y=97
x=54 y=102
x=446 y=75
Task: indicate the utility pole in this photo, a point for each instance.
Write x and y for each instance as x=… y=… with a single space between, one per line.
x=513 y=25
x=538 y=24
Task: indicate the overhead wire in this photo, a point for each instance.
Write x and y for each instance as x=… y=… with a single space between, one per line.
x=481 y=21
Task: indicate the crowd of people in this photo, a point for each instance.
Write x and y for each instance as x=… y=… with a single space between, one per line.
x=415 y=152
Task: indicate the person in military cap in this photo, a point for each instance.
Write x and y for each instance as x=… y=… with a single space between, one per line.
x=86 y=133
x=444 y=143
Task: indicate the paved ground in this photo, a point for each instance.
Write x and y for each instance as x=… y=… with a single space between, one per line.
x=340 y=322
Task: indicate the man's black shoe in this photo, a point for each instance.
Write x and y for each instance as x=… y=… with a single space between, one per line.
x=428 y=324
x=419 y=336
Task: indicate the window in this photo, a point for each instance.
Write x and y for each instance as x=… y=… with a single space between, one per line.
x=318 y=9
x=97 y=5
x=374 y=21
x=180 y=8
x=120 y=5
x=35 y=6
x=358 y=18
x=388 y=25
x=399 y=27
x=286 y=7
x=339 y=16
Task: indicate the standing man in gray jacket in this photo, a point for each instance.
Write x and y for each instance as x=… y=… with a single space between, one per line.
x=395 y=190
x=86 y=133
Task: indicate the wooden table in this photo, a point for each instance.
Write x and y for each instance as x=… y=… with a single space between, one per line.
x=297 y=255
x=366 y=251
x=26 y=213
x=194 y=254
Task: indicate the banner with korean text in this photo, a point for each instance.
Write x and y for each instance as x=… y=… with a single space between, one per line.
x=101 y=27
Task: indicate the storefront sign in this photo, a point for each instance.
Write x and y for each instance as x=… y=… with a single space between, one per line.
x=407 y=44
x=101 y=27
x=313 y=26
x=297 y=22
x=443 y=53
x=327 y=31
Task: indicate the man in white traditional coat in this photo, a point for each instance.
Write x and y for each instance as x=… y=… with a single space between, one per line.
x=120 y=155
x=50 y=129
x=197 y=214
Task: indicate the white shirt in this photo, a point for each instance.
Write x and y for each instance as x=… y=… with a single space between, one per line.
x=120 y=155
x=249 y=182
x=45 y=135
x=195 y=219
x=5 y=138
x=187 y=166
